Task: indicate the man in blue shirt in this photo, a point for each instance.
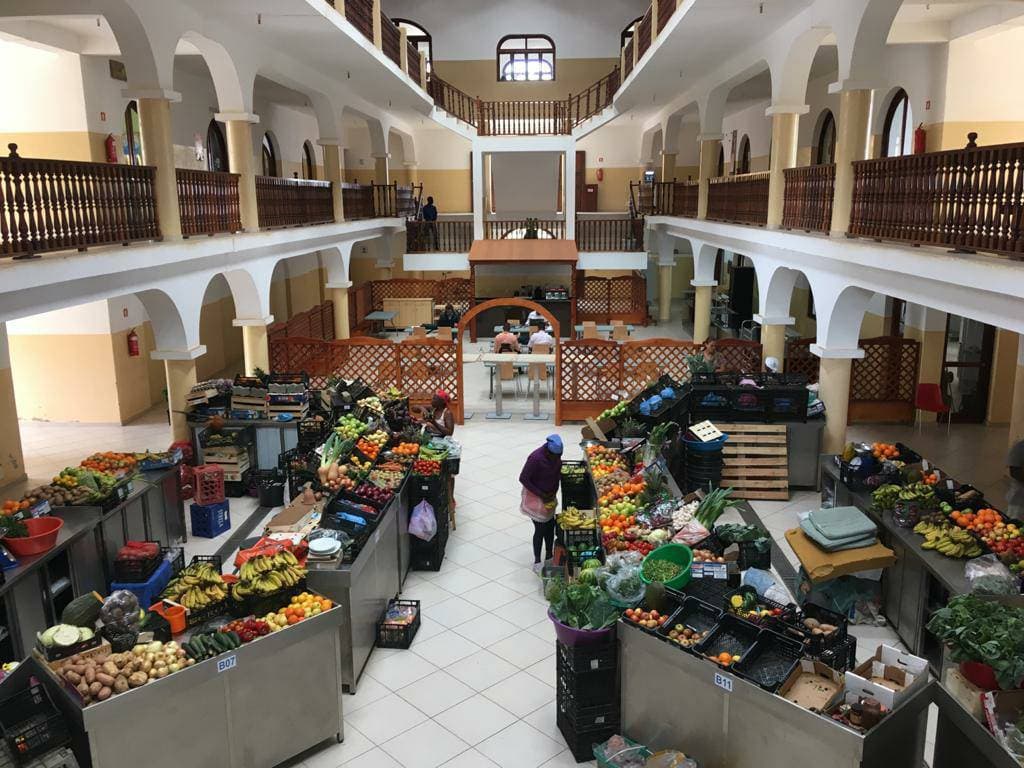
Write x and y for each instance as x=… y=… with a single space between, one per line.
x=429 y=214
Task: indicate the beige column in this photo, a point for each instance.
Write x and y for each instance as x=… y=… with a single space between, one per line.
x=664 y=293
x=378 y=37
x=181 y=377
x=709 y=148
x=241 y=160
x=333 y=174
x=423 y=70
x=654 y=18
x=785 y=143
x=380 y=170
x=339 y=297
x=255 y=346
x=668 y=166
x=834 y=391
x=1017 y=407
x=702 y=310
x=158 y=151
x=851 y=144
x=773 y=342
x=12 y=461
x=403 y=50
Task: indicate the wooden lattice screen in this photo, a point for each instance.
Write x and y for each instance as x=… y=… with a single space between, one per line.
x=591 y=377
x=737 y=355
x=602 y=300
x=800 y=360
x=457 y=291
x=425 y=366
x=645 y=361
x=314 y=323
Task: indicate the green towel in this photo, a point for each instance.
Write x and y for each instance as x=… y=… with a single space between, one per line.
x=842 y=523
x=836 y=545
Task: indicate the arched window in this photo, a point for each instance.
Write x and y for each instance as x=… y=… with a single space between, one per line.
x=627 y=34
x=720 y=170
x=899 y=124
x=825 y=154
x=132 y=134
x=526 y=57
x=216 y=148
x=308 y=161
x=743 y=156
x=269 y=156
x=419 y=37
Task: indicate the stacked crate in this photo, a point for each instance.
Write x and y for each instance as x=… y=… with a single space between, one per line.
x=588 y=708
x=249 y=394
x=428 y=555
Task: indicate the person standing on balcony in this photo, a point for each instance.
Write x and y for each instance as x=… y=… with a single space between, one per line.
x=429 y=215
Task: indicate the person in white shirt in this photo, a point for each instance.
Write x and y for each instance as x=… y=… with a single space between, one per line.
x=535 y=316
x=541 y=337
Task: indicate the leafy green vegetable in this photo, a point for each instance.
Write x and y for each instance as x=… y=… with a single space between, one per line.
x=983 y=631
x=729 y=533
x=712 y=506
x=661 y=570
x=11 y=528
x=581 y=606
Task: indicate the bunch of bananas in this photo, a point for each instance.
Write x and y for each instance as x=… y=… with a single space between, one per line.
x=571 y=519
x=265 y=574
x=196 y=587
x=885 y=496
x=948 y=539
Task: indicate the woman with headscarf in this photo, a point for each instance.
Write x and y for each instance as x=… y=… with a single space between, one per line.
x=437 y=419
x=540 y=478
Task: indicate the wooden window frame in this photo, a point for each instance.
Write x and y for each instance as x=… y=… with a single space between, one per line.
x=525 y=52
x=819 y=157
x=214 y=132
x=900 y=97
x=134 y=142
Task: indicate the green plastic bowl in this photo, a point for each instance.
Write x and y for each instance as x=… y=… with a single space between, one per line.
x=676 y=553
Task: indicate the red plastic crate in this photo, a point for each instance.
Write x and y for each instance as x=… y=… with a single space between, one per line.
x=208 y=484
x=187 y=476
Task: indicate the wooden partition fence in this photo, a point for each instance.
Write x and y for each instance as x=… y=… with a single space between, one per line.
x=293 y=202
x=595 y=99
x=360 y=15
x=642 y=37
x=969 y=199
x=627 y=58
x=394 y=201
x=603 y=299
x=457 y=291
x=391 y=40
x=515 y=229
x=741 y=199
x=438 y=236
x=208 y=202
x=453 y=101
x=684 y=199
x=56 y=205
x=626 y=234
x=807 y=200
x=315 y=323
x=413 y=58
x=665 y=11
x=418 y=367
x=883 y=384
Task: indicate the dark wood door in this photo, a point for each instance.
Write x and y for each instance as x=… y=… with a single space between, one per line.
x=967 y=368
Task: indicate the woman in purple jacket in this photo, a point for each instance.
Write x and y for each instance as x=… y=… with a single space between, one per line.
x=539 y=478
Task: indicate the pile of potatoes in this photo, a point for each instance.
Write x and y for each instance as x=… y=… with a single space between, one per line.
x=100 y=677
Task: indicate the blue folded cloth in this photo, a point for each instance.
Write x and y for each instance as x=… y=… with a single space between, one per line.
x=842 y=523
x=835 y=545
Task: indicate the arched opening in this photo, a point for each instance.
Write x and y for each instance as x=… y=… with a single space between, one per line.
x=743 y=156
x=268 y=157
x=627 y=34
x=898 y=127
x=523 y=58
x=132 y=134
x=308 y=160
x=825 y=145
x=720 y=167
x=216 y=148
x=419 y=37
x=222 y=339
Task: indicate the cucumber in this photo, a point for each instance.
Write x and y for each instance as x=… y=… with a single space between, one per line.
x=188 y=650
x=236 y=641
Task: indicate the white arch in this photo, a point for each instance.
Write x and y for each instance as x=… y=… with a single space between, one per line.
x=336 y=261
x=234 y=91
x=862 y=27
x=250 y=302
x=775 y=285
x=704 y=257
x=791 y=71
x=647 y=143
x=168 y=328
x=406 y=142
x=840 y=312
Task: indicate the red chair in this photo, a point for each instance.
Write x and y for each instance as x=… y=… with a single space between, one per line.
x=929 y=398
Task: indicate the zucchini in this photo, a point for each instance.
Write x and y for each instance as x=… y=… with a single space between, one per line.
x=225 y=642
x=236 y=641
x=188 y=650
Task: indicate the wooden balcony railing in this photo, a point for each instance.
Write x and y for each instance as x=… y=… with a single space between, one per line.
x=524 y=118
x=438 y=236
x=665 y=11
x=593 y=100
x=393 y=201
x=628 y=62
x=208 y=202
x=684 y=199
x=970 y=199
x=413 y=57
x=357 y=199
x=807 y=202
x=739 y=199
x=518 y=229
x=663 y=198
x=292 y=202
x=626 y=234
x=642 y=37
x=360 y=15
x=391 y=40
x=54 y=205
x=453 y=101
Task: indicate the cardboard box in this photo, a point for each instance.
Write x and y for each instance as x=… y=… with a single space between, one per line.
x=1002 y=710
x=813 y=685
x=965 y=692
x=823 y=566
x=294 y=517
x=888 y=676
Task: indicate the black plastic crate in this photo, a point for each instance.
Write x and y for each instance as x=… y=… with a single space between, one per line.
x=695 y=614
x=770 y=661
x=777 y=611
x=587 y=689
x=752 y=557
x=581 y=659
x=428 y=555
x=711 y=591
x=239 y=437
x=390 y=635
x=731 y=635
x=793 y=626
x=214 y=560
x=196 y=616
x=312 y=433
x=236 y=489
x=750 y=403
x=577 y=489
x=137 y=571
x=31 y=724
x=673 y=599
x=907 y=454
x=842 y=656
x=584 y=716
x=261 y=605
x=710 y=401
x=787 y=403
x=431 y=488
x=581 y=742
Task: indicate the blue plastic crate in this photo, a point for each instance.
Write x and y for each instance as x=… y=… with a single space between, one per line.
x=148 y=591
x=210 y=520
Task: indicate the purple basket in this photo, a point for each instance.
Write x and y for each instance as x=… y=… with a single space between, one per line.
x=573 y=637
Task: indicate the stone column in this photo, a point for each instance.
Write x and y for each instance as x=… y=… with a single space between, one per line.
x=668 y=166
x=380 y=169
x=255 y=345
x=702 y=309
x=403 y=50
x=834 y=391
x=851 y=144
x=664 y=292
x=339 y=297
x=709 y=148
x=378 y=35
x=158 y=151
x=12 y=461
x=180 y=368
x=773 y=337
x=333 y=174
x=785 y=143
x=241 y=160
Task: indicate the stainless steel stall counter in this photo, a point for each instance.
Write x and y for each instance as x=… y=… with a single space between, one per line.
x=255 y=707
x=362 y=589
x=672 y=699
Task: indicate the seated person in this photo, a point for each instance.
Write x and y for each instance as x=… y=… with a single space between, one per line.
x=449 y=317
x=535 y=318
x=541 y=336
x=506 y=341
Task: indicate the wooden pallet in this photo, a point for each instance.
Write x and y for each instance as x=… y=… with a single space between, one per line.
x=756 y=461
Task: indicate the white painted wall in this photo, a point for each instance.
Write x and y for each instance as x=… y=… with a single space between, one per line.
x=42 y=89
x=983 y=83
x=440 y=148
x=748 y=121
x=290 y=127
x=616 y=145
x=525 y=182
x=81 y=320
x=358 y=153
x=470 y=29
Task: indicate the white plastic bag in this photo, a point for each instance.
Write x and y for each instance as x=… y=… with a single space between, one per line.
x=423 y=522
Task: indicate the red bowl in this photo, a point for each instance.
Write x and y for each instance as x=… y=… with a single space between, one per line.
x=42 y=536
x=981 y=674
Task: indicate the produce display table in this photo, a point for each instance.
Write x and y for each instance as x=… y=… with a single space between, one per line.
x=672 y=698
x=228 y=711
x=362 y=590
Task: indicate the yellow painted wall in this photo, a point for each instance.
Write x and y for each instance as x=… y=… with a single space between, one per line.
x=953 y=135
x=873 y=325
x=806 y=326
x=479 y=79
x=452 y=189
x=12 y=464
x=1004 y=369
x=613 y=192
x=57 y=145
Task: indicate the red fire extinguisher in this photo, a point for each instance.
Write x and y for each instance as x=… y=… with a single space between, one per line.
x=133 y=343
x=600 y=174
x=110 y=146
x=920 y=139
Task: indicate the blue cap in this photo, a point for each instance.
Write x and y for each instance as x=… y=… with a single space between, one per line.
x=554 y=443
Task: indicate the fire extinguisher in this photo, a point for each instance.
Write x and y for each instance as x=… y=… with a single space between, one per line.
x=110 y=146
x=600 y=174
x=920 y=139
x=133 y=343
